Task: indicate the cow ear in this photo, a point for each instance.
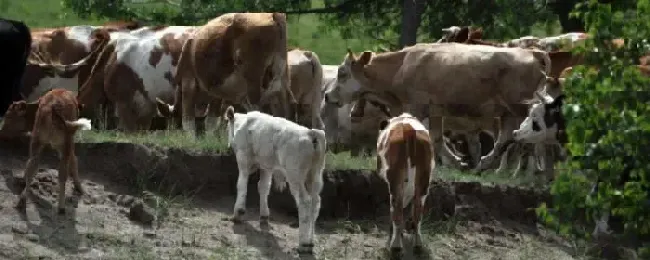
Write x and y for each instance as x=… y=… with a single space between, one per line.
x=365 y=58
x=559 y=100
x=350 y=54
x=383 y=124
x=230 y=113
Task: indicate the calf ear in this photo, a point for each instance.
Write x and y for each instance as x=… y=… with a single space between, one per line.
x=383 y=124
x=230 y=113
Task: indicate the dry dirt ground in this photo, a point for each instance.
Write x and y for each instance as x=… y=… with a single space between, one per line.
x=99 y=225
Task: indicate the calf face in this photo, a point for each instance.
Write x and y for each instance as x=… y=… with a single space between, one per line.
x=19 y=119
x=347 y=86
x=544 y=123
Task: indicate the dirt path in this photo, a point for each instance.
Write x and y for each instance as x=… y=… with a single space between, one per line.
x=198 y=228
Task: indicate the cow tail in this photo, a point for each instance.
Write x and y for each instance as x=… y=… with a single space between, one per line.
x=72 y=126
x=319 y=143
x=410 y=136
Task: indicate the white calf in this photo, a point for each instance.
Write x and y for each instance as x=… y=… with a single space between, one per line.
x=286 y=151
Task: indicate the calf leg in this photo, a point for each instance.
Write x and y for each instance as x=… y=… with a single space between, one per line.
x=242 y=182
x=73 y=169
x=264 y=187
x=63 y=179
x=396 y=192
x=32 y=165
x=419 y=200
x=316 y=188
x=303 y=202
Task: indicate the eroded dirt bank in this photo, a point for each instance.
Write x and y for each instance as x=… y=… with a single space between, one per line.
x=479 y=220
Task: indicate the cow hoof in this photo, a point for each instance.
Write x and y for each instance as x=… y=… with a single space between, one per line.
x=21 y=204
x=305 y=249
x=79 y=192
x=264 y=221
x=61 y=211
x=395 y=253
x=238 y=215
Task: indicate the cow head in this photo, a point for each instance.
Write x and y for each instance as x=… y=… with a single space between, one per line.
x=455 y=34
x=348 y=86
x=545 y=122
x=229 y=116
x=18 y=119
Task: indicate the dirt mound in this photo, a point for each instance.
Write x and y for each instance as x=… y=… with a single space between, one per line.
x=350 y=194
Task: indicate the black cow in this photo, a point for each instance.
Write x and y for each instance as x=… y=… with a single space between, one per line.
x=15 y=46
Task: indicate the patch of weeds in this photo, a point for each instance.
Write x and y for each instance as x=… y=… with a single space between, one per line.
x=165 y=201
x=488 y=176
x=212 y=142
x=432 y=227
x=344 y=160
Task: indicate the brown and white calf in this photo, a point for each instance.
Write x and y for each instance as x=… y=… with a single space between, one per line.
x=53 y=121
x=405 y=160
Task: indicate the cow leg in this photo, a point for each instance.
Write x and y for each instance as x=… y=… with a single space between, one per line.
x=264 y=188
x=446 y=155
x=213 y=117
x=303 y=203
x=505 y=159
x=396 y=176
x=30 y=170
x=245 y=170
x=73 y=169
x=505 y=134
x=188 y=99
x=127 y=120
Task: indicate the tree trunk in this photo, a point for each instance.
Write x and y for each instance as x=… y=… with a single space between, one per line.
x=562 y=9
x=411 y=18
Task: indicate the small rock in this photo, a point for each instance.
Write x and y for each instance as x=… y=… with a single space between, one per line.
x=141 y=213
x=158 y=243
x=112 y=196
x=186 y=243
x=19 y=230
x=32 y=237
x=148 y=233
x=126 y=201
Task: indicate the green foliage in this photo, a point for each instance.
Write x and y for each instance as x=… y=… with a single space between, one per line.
x=610 y=132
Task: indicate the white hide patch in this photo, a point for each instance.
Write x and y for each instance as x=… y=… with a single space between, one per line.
x=81 y=33
x=46 y=84
x=134 y=52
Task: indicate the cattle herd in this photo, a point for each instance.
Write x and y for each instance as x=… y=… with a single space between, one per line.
x=471 y=100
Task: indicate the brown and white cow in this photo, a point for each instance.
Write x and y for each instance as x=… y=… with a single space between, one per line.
x=135 y=70
x=456 y=81
x=234 y=58
x=53 y=121
x=65 y=46
x=405 y=161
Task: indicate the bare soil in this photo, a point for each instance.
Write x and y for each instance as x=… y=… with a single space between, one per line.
x=116 y=219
